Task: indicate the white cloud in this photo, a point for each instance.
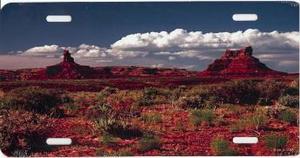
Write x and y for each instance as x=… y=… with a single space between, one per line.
x=43 y=51
x=121 y=54
x=193 y=44
x=89 y=51
x=288 y=63
x=82 y=51
x=188 y=67
x=171 y=58
x=180 y=43
x=157 y=65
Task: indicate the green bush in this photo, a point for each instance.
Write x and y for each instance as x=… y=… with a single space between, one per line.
x=238 y=92
x=274 y=141
x=221 y=147
x=199 y=116
x=288 y=116
x=33 y=99
x=149 y=142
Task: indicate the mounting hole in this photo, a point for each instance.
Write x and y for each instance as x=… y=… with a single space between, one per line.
x=58 y=18
x=59 y=141
x=244 y=17
x=245 y=140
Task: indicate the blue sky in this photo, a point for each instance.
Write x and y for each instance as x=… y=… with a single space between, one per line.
x=96 y=32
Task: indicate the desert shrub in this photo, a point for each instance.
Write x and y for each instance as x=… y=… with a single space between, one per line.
x=124 y=103
x=111 y=122
x=291 y=91
x=118 y=128
x=288 y=116
x=289 y=101
x=221 y=147
x=238 y=125
x=259 y=119
x=2 y=78
x=199 y=116
x=2 y=103
x=191 y=102
x=270 y=89
x=149 y=142
x=108 y=139
x=180 y=126
x=273 y=141
x=238 y=92
x=33 y=99
x=71 y=108
x=149 y=95
x=152 y=118
x=22 y=131
x=200 y=97
x=220 y=121
x=264 y=101
x=150 y=71
x=104 y=93
x=233 y=109
x=293 y=88
x=295 y=84
x=175 y=94
x=125 y=132
x=151 y=92
x=107 y=118
x=66 y=98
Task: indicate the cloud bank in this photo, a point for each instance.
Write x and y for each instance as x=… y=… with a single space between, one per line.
x=182 y=46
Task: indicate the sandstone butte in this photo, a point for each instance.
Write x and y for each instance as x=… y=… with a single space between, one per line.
x=239 y=63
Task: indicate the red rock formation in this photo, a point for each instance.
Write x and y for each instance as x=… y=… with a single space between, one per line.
x=67 y=69
x=239 y=63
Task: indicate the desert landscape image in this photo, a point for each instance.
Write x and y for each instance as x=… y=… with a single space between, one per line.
x=145 y=88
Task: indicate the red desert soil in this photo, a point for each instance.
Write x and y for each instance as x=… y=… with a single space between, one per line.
x=85 y=140
x=177 y=135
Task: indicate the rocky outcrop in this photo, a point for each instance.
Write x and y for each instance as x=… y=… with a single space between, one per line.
x=239 y=63
x=68 y=69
